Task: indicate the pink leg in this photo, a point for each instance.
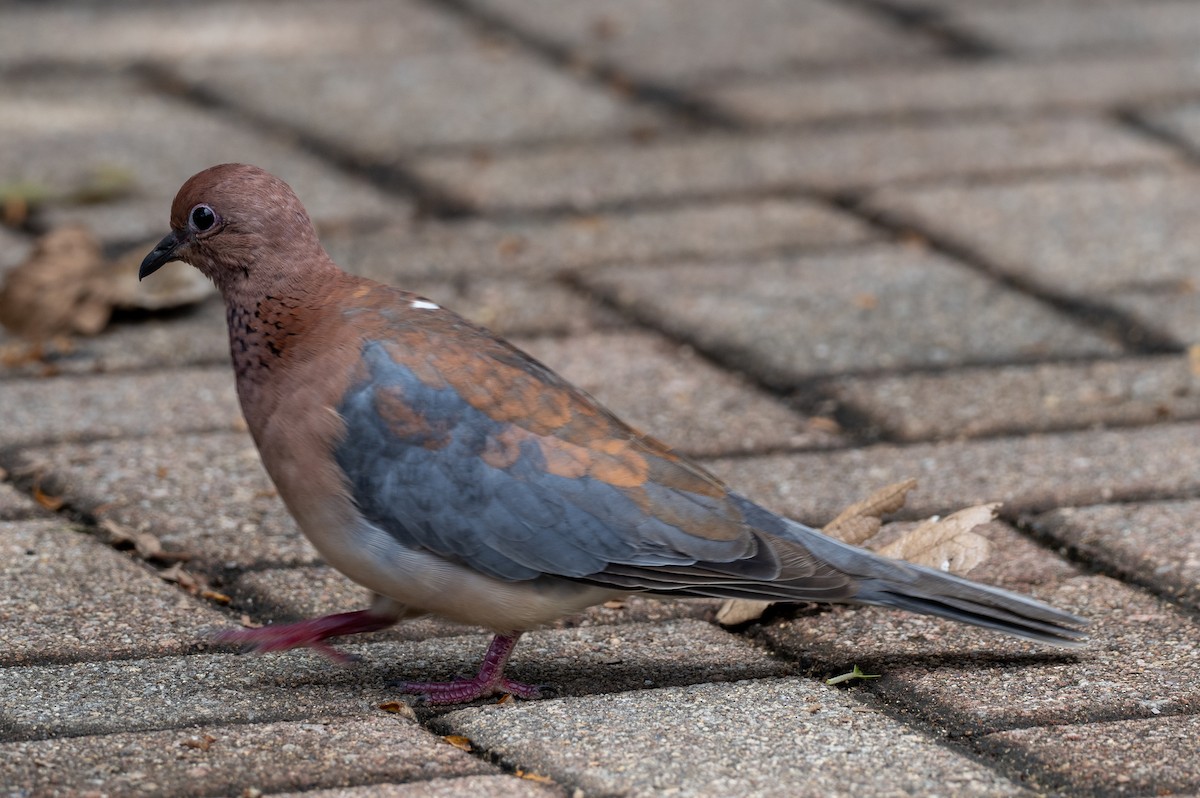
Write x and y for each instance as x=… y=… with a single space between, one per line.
x=314 y=631
x=489 y=681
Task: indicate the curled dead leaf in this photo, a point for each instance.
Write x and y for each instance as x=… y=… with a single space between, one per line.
x=215 y=596
x=67 y=287
x=947 y=544
x=852 y=524
x=399 y=708
x=200 y=743
x=736 y=612
x=538 y=777
x=51 y=503
x=458 y=741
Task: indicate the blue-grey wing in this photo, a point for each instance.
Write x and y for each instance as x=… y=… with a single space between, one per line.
x=466 y=447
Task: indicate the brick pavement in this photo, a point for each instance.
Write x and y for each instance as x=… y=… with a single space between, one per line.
x=820 y=244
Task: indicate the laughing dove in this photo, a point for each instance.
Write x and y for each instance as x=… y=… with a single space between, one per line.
x=450 y=473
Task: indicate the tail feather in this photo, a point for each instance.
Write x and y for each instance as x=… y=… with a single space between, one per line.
x=905 y=586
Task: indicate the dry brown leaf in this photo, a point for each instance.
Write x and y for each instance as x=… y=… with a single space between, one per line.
x=176 y=574
x=735 y=612
x=54 y=292
x=458 y=741
x=614 y=604
x=538 y=777
x=51 y=503
x=215 y=595
x=887 y=499
x=67 y=287
x=200 y=743
x=399 y=708
x=947 y=544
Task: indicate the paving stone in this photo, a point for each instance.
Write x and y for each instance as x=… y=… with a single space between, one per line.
x=1105 y=27
x=14 y=504
x=65 y=596
x=1156 y=544
x=1041 y=397
x=401 y=253
x=1128 y=241
x=1182 y=121
x=684 y=42
x=1137 y=662
x=13 y=249
x=591 y=177
x=172 y=692
x=669 y=392
x=205 y=495
x=789 y=319
x=156 y=143
x=159 y=403
x=239 y=759
x=504 y=96
x=514 y=306
x=1028 y=474
x=1146 y=757
x=497 y=786
x=995 y=86
x=191 y=337
x=727 y=740
x=96 y=33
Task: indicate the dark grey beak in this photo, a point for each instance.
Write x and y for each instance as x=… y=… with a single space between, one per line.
x=161 y=255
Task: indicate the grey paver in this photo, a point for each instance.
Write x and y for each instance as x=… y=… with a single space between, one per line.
x=498 y=786
x=1137 y=662
x=14 y=504
x=118 y=35
x=205 y=495
x=192 y=337
x=64 y=595
x=1027 y=398
x=156 y=143
x=1106 y=27
x=789 y=319
x=514 y=99
x=170 y=692
x=1182 y=121
x=401 y=253
x=233 y=760
x=1028 y=473
x=1128 y=241
x=1155 y=543
x=670 y=393
x=1147 y=757
x=13 y=248
x=683 y=42
x=512 y=306
x=158 y=403
x=726 y=740
x=985 y=86
x=583 y=178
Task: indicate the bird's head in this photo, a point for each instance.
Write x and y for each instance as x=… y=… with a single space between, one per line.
x=239 y=225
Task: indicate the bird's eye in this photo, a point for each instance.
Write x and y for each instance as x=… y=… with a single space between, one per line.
x=202 y=218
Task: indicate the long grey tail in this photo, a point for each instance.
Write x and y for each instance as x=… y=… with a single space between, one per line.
x=905 y=586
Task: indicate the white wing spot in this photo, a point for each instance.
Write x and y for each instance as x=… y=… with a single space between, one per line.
x=421 y=304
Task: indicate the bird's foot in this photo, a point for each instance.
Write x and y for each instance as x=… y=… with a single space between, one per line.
x=461 y=691
x=311 y=633
x=489 y=681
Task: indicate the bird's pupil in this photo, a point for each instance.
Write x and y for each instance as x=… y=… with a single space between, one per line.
x=203 y=217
